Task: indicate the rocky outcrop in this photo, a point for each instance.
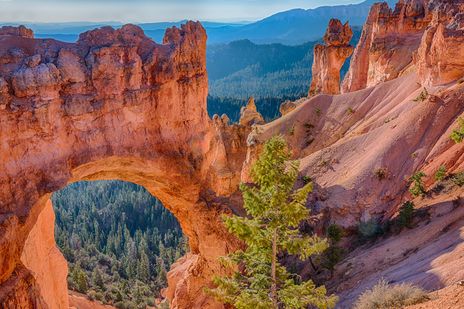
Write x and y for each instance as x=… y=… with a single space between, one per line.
x=249 y=115
x=342 y=143
x=388 y=41
x=329 y=58
x=20 y=31
x=430 y=256
x=439 y=59
x=417 y=35
x=286 y=107
x=114 y=105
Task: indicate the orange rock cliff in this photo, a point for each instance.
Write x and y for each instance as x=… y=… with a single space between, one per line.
x=116 y=105
x=395 y=42
x=329 y=58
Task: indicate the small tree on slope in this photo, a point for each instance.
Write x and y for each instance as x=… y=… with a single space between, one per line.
x=274 y=211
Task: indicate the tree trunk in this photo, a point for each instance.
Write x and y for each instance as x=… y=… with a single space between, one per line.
x=273 y=271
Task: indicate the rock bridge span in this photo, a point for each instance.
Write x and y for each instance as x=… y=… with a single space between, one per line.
x=114 y=105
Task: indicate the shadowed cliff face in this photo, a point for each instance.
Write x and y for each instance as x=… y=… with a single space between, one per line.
x=115 y=105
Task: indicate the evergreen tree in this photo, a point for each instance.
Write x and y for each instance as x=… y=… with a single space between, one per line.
x=97 y=279
x=417 y=187
x=80 y=280
x=274 y=211
x=143 y=268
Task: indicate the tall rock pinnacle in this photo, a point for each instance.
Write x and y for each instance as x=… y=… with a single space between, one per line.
x=329 y=58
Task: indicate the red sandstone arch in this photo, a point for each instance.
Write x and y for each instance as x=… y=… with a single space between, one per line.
x=115 y=105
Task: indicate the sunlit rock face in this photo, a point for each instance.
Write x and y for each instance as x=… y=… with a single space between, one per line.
x=42 y=257
x=114 y=105
x=249 y=115
x=330 y=57
x=388 y=41
x=439 y=59
x=417 y=35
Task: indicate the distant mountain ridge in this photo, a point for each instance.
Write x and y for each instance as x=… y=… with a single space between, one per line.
x=293 y=27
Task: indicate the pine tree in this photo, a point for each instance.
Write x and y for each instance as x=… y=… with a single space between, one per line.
x=80 y=280
x=274 y=211
x=97 y=279
x=143 y=268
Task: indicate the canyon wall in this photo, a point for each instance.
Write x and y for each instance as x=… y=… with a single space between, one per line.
x=423 y=36
x=114 y=105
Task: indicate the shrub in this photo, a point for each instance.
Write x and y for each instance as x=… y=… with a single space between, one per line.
x=369 y=229
x=381 y=173
x=350 y=111
x=458 y=134
x=91 y=295
x=164 y=305
x=441 y=173
x=334 y=233
x=417 y=187
x=306 y=179
x=406 y=214
x=332 y=256
x=458 y=179
x=422 y=96
x=384 y=295
x=308 y=126
x=291 y=131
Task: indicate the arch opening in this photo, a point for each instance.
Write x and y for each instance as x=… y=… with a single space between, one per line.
x=41 y=258
x=119 y=242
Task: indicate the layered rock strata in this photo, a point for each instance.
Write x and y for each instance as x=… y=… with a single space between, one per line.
x=114 y=105
x=417 y=35
x=329 y=58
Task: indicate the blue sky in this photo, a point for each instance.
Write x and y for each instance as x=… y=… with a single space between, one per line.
x=149 y=10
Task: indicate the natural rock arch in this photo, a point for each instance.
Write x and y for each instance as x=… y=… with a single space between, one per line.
x=115 y=105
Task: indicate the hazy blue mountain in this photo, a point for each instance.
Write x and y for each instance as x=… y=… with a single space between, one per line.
x=295 y=26
x=156 y=30
x=291 y=27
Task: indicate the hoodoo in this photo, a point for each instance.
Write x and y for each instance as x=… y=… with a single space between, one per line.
x=329 y=58
x=417 y=35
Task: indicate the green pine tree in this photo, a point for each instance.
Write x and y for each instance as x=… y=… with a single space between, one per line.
x=97 y=279
x=80 y=280
x=417 y=187
x=143 y=268
x=274 y=212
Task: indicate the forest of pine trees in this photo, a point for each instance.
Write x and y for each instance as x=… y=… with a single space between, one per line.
x=119 y=241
